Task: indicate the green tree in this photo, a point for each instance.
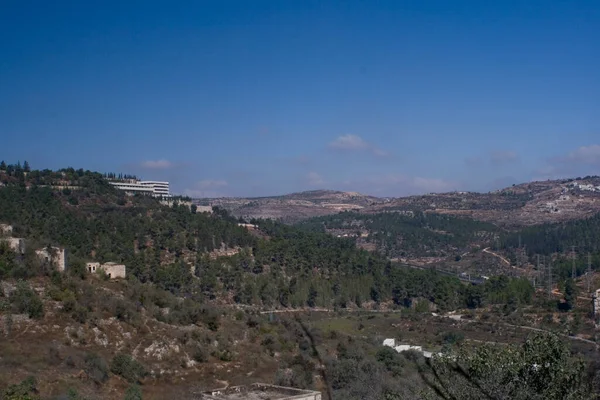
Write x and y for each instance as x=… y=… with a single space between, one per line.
x=127 y=367
x=26 y=300
x=312 y=296
x=540 y=368
x=26 y=390
x=134 y=392
x=570 y=294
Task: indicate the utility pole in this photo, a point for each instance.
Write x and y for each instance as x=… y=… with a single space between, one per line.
x=573 y=270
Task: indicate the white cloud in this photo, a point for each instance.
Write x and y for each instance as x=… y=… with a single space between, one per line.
x=356 y=143
x=582 y=161
x=158 y=164
x=207 y=188
x=314 y=179
x=349 y=142
x=209 y=183
x=585 y=155
x=503 y=157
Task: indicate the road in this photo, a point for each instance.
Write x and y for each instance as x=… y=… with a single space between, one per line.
x=464 y=278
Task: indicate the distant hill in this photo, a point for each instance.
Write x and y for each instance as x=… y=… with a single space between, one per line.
x=295 y=206
x=520 y=205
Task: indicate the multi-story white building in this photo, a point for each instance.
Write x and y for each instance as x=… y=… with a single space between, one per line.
x=153 y=188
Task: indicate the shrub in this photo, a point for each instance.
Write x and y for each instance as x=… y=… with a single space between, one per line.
x=96 y=368
x=453 y=337
x=200 y=355
x=134 y=392
x=253 y=321
x=54 y=355
x=25 y=300
x=69 y=301
x=210 y=317
x=80 y=314
x=102 y=275
x=128 y=368
x=391 y=359
x=26 y=390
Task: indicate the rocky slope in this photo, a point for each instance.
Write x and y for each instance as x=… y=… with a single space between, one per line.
x=520 y=205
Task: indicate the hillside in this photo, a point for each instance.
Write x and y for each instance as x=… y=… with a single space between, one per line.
x=207 y=302
x=520 y=205
x=293 y=207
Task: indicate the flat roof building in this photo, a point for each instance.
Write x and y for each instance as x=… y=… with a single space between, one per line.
x=111 y=269
x=261 y=391
x=153 y=188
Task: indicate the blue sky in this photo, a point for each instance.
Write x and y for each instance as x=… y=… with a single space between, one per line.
x=252 y=98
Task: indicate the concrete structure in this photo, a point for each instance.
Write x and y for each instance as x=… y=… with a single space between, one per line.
x=202 y=209
x=16 y=244
x=113 y=270
x=260 y=391
x=153 y=188
x=54 y=255
x=406 y=347
x=170 y=202
x=596 y=304
x=247 y=226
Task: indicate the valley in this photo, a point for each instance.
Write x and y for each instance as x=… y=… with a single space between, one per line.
x=207 y=299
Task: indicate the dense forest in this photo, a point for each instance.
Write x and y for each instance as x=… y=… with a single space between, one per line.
x=408 y=234
x=285 y=267
x=557 y=242
x=558 y=238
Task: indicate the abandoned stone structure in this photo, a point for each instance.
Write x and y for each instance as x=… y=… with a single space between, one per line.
x=260 y=391
x=16 y=244
x=54 y=255
x=6 y=230
x=113 y=270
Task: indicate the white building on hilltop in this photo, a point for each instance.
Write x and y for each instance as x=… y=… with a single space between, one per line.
x=153 y=188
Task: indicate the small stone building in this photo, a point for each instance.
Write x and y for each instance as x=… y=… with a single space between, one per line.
x=6 y=230
x=54 y=255
x=113 y=270
x=16 y=244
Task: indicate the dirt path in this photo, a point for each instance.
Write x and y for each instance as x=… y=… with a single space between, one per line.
x=487 y=250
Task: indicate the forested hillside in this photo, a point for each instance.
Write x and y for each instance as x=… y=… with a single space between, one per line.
x=558 y=241
x=407 y=234
x=180 y=309
x=291 y=267
x=558 y=238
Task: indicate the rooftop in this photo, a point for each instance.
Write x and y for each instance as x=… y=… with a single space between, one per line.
x=261 y=391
